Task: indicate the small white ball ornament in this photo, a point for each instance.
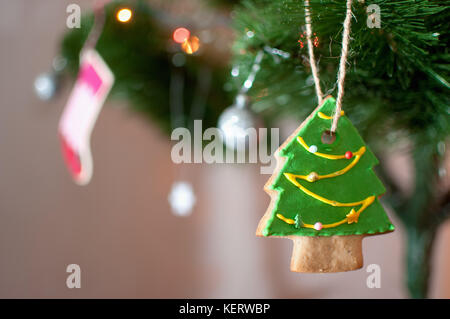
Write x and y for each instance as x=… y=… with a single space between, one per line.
x=182 y=199
x=45 y=86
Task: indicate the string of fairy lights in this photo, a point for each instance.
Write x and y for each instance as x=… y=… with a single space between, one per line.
x=190 y=44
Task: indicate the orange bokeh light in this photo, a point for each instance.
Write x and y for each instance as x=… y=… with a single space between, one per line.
x=191 y=45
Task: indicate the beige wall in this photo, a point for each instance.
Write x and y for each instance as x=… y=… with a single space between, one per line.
x=119 y=229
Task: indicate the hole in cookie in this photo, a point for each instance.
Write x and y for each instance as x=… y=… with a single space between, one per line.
x=328 y=137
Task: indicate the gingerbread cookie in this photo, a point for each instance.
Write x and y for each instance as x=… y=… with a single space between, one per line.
x=324 y=195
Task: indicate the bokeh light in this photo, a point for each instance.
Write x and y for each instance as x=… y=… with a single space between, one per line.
x=180 y=35
x=124 y=15
x=191 y=45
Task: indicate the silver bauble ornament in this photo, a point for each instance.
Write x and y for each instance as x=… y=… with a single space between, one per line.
x=235 y=121
x=45 y=85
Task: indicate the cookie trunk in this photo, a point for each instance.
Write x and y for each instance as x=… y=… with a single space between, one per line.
x=326 y=254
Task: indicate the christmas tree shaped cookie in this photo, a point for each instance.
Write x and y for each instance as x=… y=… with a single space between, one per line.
x=325 y=195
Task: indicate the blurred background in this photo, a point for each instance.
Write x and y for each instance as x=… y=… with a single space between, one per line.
x=120 y=228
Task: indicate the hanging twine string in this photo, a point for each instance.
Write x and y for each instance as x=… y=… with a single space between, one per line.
x=99 y=23
x=312 y=60
x=342 y=63
x=342 y=66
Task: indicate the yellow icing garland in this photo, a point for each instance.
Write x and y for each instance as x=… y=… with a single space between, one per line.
x=286 y=220
x=326 y=117
x=327 y=156
x=352 y=216
x=312 y=178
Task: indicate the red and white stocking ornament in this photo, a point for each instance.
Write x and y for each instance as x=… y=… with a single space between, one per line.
x=93 y=84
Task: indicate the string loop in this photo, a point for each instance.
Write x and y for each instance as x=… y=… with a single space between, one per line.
x=312 y=60
x=342 y=62
x=97 y=27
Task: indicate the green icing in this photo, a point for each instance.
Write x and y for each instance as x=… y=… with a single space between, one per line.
x=357 y=184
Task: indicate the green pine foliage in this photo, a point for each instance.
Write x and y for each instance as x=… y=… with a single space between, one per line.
x=397 y=78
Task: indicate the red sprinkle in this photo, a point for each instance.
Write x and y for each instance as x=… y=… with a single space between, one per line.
x=348 y=155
